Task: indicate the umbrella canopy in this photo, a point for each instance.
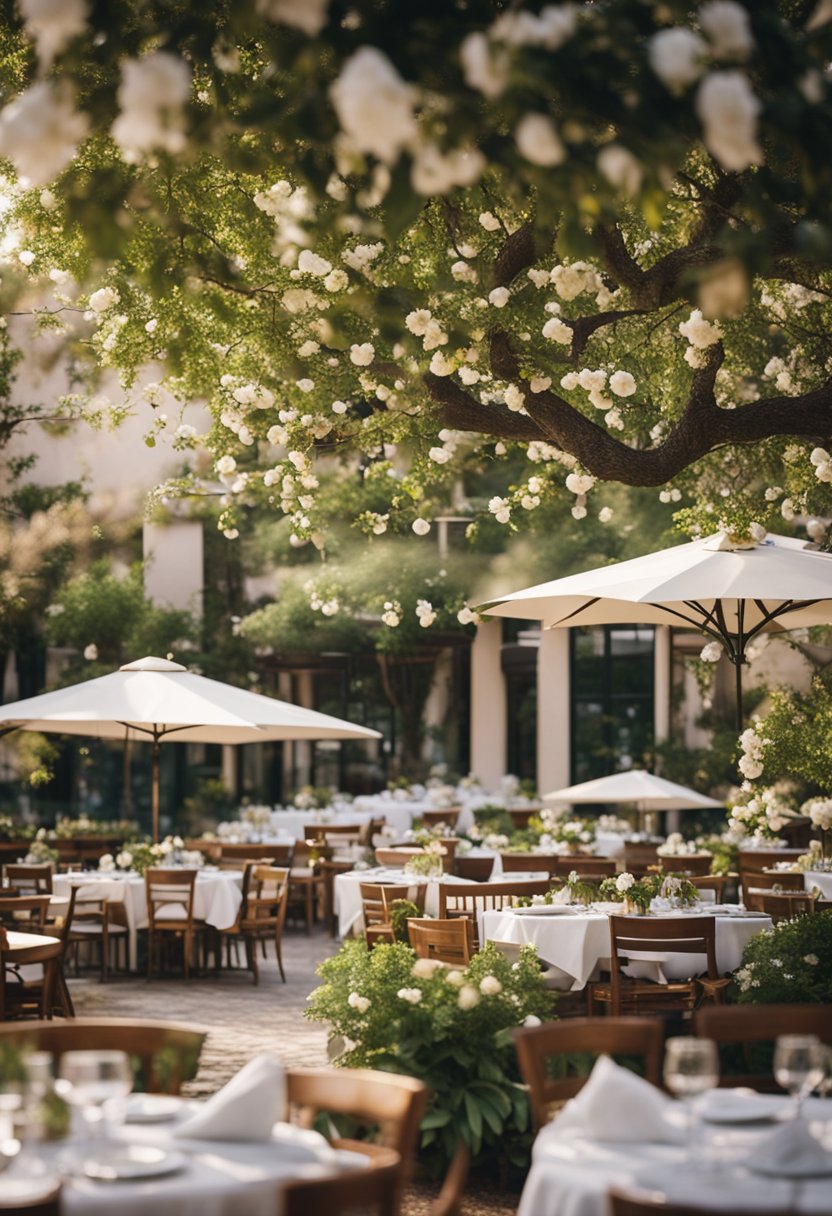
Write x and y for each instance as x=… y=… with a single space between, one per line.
x=729 y=590
x=154 y=700
x=649 y=792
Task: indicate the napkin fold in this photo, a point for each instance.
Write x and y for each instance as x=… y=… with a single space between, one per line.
x=791 y=1152
x=617 y=1105
x=247 y=1108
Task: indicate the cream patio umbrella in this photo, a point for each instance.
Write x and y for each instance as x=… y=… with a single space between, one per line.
x=156 y=701
x=647 y=792
x=730 y=590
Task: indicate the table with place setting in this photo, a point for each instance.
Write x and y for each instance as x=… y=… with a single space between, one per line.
x=217 y=897
x=721 y=1148
x=575 y=940
x=168 y=1156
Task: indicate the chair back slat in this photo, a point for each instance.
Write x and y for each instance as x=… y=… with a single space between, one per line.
x=167 y=890
x=445 y=941
x=31 y=879
x=528 y=863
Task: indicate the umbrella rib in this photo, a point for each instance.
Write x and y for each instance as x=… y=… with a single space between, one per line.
x=153 y=731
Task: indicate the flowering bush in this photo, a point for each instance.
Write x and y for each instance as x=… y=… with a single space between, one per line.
x=40 y=852
x=429 y=861
x=759 y=814
x=139 y=855
x=67 y=829
x=812 y=859
x=450 y=1028
x=675 y=888
x=677 y=846
x=789 y=964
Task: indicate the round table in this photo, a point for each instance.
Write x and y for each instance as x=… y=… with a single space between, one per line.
x=217 y=897
x=822 y=879
x=33 y=950
x=571 y=1173
x=577 y=942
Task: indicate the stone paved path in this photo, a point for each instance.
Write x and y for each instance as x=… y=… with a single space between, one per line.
x=242 y=1020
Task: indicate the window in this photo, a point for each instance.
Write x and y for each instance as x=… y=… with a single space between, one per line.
x=612 y=699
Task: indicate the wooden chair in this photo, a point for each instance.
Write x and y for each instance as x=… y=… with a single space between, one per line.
x=373 y=1189
x=99 y=922
x=520 y=816
x=530 y=863
x=624 y=1203
x=640 y=857
x=473 y=869
x=690 y=864
x=741 y=1028
x=588 y=869
x=711 y=882
x=785 y=905
x=392 y=1102
x=306 y=883
x=369 y=830
x=537 y=1045
x=264 y=913
x=47 y=1204
x=752 y=863
x=377 y=899
x=335 y=833
x=29 y=879
x=165 y=1053
x=28 y=978
x=449 y=816
x=269 y=854
x=772 y=880
x=24 y=913
x=469 y=899
x=446 y=941
x=652 y=935
x=170 y=912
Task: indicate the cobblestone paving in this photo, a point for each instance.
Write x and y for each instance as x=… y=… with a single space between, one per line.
x=242 y=1020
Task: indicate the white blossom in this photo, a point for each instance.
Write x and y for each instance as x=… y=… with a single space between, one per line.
x=490 y=985
x=469 y=997
x=676 y=57
x=484 y=67
x=622 y=384
x=489 y=221
x=151 y=97
x=412 y=995
x=538 y=141
x=91 y=652
x=499 y=297
x=103 y=299
x=557 y=331
x=309 y=16
x=52 y=24
x=728 y=29
x=699 y=332
x=711 y=652
x=621 y=168
x=421 y=527
x=623 y=882
x=728 y=109
x=40 y=131
x=437 y=172
x=362 y=355
x=374 y=105
x=579 y=483
x=358 y=1002
x=312 y=263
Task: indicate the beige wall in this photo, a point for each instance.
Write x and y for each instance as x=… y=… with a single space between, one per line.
x=488 y=706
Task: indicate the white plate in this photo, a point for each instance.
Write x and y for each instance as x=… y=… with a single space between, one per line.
x=546 y=910
x=792 y=1169
x=131 y=1161
x=152 y=1108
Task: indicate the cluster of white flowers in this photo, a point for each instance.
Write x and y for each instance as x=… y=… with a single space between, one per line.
x=412 y=995
x=151 y=98
x=623 y=882
x=327 y=607
x=677 y=846
x=711 y=652
x=573 y=280
x=360 y=258
x=450 y=441
x=392 y=614
x=728 y=109
x=91 y=652
x=437 y=172
x=40 y=131
x=753 y=749
x=822 y=462
x=819 y=811
x=426 y=613
x=358 y=1002
x=500 y=508
x=621 y=168
x=700 y=334
x=52 y=24
x=374 y=105
x=309 y=16
x=538 y=142
x=467 y=616
x=424 y=325
x=760 y=814
x=289 y=207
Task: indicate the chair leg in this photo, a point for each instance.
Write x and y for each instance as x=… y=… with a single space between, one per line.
x=279 y=956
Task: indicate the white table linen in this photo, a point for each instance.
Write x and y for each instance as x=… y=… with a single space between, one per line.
x=220 y=1178
x=578 y=943
x=217 y=898
x=822 y=879
x=571 y=1172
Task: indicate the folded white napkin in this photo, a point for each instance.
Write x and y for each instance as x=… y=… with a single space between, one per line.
x=247 y=1108
x=791 y=1152
x=617 y=1105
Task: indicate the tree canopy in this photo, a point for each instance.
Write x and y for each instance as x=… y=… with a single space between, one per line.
x=591 y=242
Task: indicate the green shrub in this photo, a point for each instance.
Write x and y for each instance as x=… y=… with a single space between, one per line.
x=789 y=964
x=450 y=1028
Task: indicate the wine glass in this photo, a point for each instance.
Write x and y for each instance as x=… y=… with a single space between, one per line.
x=90 y=1079
x=799 y=1066
x=691 y=1067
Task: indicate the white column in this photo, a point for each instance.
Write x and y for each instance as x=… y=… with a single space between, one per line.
x=661 y=683
x=173 y=573
x=302 y=747
x=553 y=705
x=488 y=706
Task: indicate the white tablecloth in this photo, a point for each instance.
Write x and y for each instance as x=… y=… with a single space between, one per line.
x=822 y=879
x=571 y=1174
x=297 y=823
x=400 y=813
x=347 y=893
x=578 y=942
x=217 y=897
x=220 y=1178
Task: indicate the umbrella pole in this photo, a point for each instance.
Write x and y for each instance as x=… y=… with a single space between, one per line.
x=738 y=662
x=154 y=789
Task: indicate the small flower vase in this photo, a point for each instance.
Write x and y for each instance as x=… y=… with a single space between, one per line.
x=627 y=906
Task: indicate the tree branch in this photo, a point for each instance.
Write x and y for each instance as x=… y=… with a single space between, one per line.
x=464 y=413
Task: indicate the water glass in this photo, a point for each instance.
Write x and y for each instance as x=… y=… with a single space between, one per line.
x=691 y=1067
x=799 y=1065
x=90 y=1079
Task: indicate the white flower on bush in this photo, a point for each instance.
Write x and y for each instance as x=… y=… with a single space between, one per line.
x=469 y=997
x=455 y=978
x=711 y=652
x=124 y=859
x=676 y=57
x=91 y=652
x=362 y=355
x=484 y=66
x=728 y=109
x=819 y=811
x=412 y=995
x=538 y=141
x=728 y=29
x=106 y=862
x=557 y=331
x=623 y=882
x=622 y=384
x=811 y=959
x=499 y=297
x=490 y=985
x=40 y=131
x=151 y=96
x=425 y=968
x=392 y=614
x=500 y=509
x=699 y=332
x=426 y=613
x=421 y=527
x=621 y=168
x=374 y=105
x=532 y=1020
x=309 y=16
x=360 y=1003
x=437 y=172
x=52 y=24
x=579 y=483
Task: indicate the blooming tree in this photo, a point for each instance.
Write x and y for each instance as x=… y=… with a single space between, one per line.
x=596 y=233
